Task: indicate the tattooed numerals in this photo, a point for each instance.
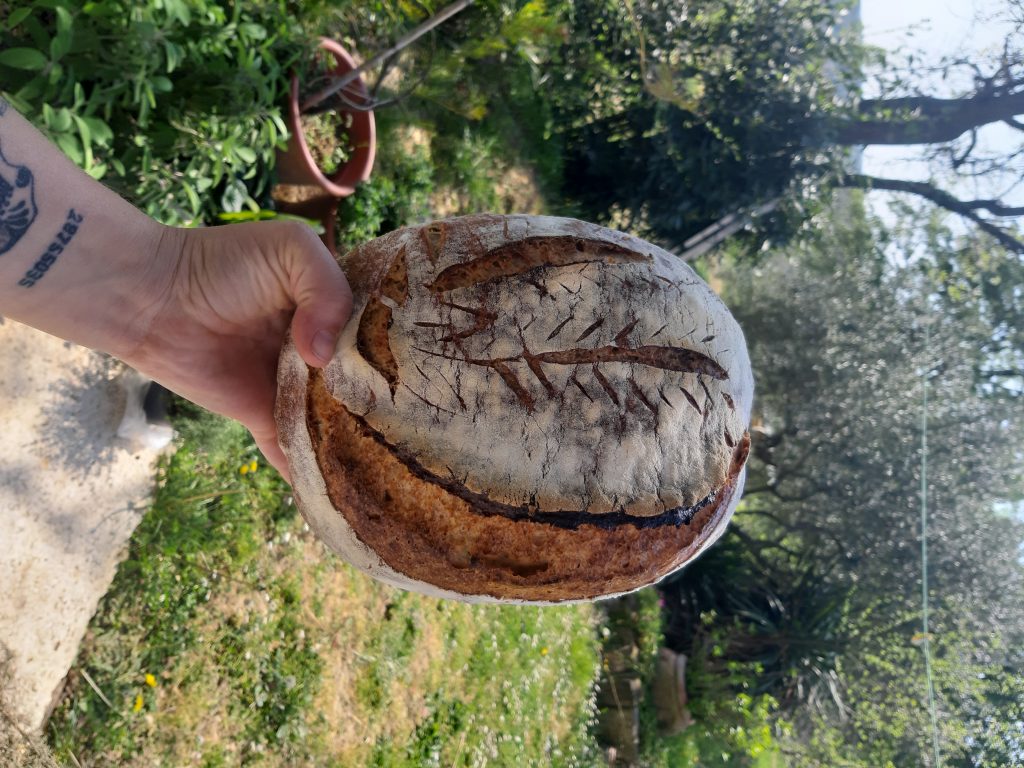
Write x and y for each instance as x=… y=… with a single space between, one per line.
x=67 y=232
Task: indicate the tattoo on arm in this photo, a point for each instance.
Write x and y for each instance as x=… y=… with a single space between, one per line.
x=18 y=211
x=56 y=248
x=17 y=202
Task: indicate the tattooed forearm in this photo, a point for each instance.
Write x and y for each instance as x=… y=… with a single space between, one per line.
x=17 y=202
x=56 y=248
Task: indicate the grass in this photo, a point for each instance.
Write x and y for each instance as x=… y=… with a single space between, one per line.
x=231 y=637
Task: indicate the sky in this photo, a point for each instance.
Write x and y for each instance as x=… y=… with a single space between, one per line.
x=937 y=27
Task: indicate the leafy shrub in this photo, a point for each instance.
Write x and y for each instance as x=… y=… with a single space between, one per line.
x=396 y=195
x=177 y=105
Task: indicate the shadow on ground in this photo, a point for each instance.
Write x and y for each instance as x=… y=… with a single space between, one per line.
x=79 y=422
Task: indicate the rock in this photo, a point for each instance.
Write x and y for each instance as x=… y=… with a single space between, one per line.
x=71 y=493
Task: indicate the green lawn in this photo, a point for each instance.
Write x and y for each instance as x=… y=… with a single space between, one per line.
x=230 y=636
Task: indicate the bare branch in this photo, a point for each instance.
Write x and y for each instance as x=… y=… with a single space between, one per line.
x=958 y=161
x=338 y=83
x=1009 y=372
x=967 y=209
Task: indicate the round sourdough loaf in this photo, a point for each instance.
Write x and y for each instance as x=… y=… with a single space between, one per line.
x=522 y=408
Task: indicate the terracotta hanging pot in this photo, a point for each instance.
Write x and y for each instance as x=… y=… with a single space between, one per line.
x=296 y=164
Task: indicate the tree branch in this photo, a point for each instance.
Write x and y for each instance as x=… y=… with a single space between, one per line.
x=966 y=208
x=760 y=544
x=752 y=550
x=924 y=119
x=958 y=161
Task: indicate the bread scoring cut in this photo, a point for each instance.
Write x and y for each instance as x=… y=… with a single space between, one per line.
x=550 y=393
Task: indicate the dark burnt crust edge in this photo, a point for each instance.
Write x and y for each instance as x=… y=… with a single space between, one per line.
x=567 y=519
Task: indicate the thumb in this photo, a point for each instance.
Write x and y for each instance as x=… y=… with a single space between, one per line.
x=322 y=296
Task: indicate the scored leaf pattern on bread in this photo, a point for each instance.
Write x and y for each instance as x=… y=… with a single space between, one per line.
x=526 y=259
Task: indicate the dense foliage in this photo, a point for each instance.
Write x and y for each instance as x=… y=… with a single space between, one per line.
x=815 y=592
x=177 y=105
x=685 y=112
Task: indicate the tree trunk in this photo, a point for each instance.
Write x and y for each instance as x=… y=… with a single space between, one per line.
x=922 y=119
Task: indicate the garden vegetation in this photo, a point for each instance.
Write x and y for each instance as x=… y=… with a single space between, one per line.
x=230 y=637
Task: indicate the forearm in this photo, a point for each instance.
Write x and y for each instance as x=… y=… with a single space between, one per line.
x=76 y=260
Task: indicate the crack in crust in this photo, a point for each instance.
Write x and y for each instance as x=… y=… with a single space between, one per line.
x=482 y=504
x=396 y=282
x=666 y=358
x=422 y=529
x=373 y=337
x=374 y=344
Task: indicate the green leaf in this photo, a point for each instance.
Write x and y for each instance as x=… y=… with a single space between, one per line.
x=174 y=54
x=252 y=31
x=61 y=43
x=86 y=134
x=61 y=119
x=70 y=146
x=23 y=58
x=282 y=129
x=179 y=11
x=245 y=154
x=18 y=16
x=101 y=133
x=161 y=84
x=31 y=90
x=235 y=196
x=193 y=198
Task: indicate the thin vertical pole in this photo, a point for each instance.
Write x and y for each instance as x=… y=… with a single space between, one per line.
x=937 y=760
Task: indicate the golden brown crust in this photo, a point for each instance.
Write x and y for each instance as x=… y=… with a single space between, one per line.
x=427 y=533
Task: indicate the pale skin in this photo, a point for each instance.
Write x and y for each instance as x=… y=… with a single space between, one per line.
x=202 y=311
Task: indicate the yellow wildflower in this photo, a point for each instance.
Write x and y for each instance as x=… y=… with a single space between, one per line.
x=244 y=469
x=252 y=465
x=138 y=703
x=544 y=651
x=150 y=680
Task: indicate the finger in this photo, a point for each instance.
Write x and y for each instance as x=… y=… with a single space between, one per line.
x=322 y=296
